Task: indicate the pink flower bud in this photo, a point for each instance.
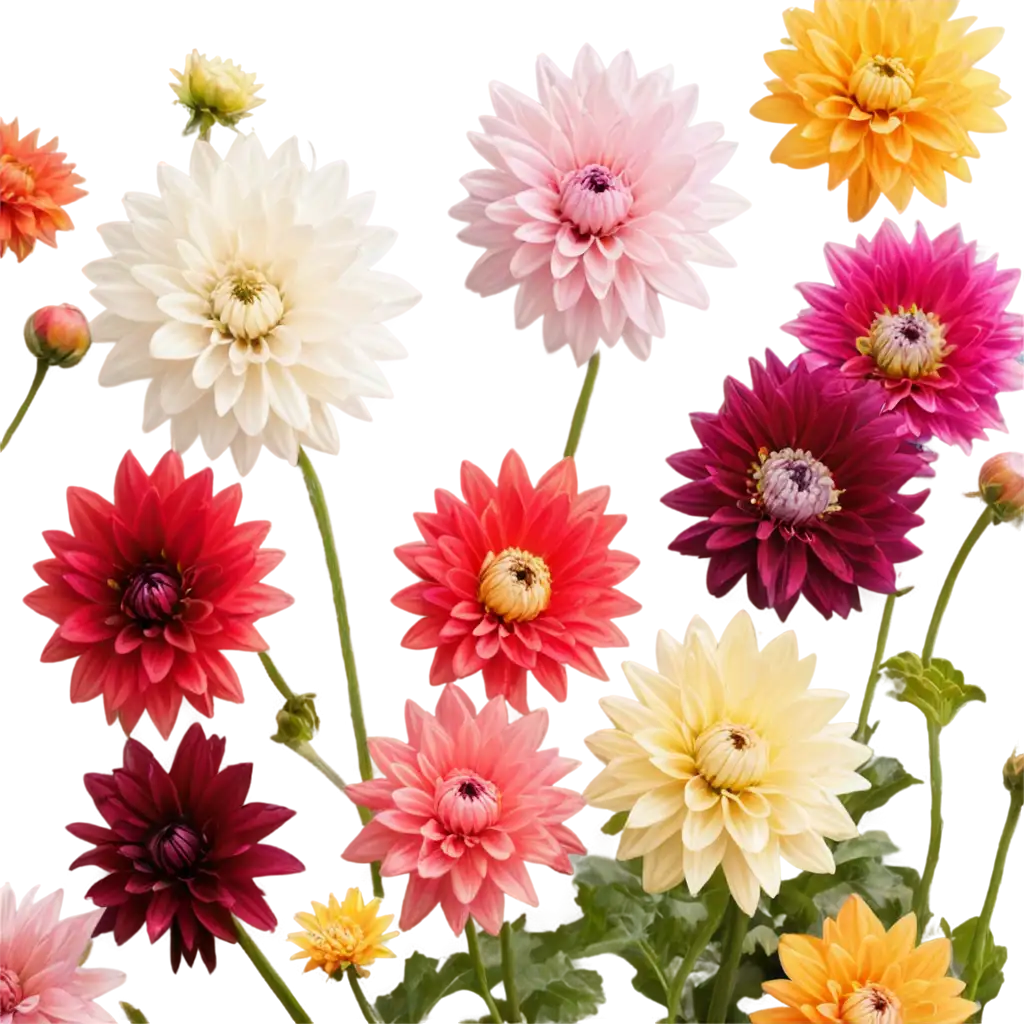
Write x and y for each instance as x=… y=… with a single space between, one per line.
x=58 y=334
x=1001 y=485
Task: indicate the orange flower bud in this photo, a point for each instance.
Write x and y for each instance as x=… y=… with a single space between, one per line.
x=58 y=334
x=1001 y=486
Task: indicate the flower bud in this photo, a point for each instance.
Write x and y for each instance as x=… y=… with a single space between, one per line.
x=214 y=91
x=1001 y=486
x=297 y=721
x=58 y=334
x=1013 y=772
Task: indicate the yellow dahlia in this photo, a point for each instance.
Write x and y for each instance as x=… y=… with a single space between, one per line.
x=884 y=92
x=726 y=757
x=341 y=935
x=859 y=973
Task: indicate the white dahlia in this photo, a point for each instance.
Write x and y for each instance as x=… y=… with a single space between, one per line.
x=244 y=293
x=726 y=757
x=595 y=204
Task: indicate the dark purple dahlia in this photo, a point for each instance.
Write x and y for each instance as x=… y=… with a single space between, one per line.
x=182 y=848
x=796 y=484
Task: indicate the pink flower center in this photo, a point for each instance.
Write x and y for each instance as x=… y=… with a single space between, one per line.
x=792 y=486
x=466 y=804
x=10 y=990
x=595 y=200
x=906 y=344
x=152 y=595
x=176 y=849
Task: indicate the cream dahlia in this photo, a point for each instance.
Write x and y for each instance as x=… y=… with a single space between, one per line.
x=726 y=758
x=244 y=293
x=597 y=200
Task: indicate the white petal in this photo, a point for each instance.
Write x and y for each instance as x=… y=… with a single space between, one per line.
x=209 y=365
x=657 y=805
x=253 y=404
x=245 y=451
x=700 y=865
x=743 y=883
x=185 y=306
x=663 y=867
x=177 y=340
x=217 y=432
x=227 y=391
x=177 y=392
x=158 y=278
x=286 y=398
x=808 y=852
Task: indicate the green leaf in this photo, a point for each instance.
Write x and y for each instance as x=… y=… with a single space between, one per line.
x=867 y=844
x=763 y=936
x=938 y=689
x=992 y=961
x=887 y=777
x=615 y=824
x=558 y=990
x=424 y=986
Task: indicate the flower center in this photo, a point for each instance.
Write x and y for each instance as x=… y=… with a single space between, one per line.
x=11 y=992
x=792 y=486
x=15 y=178
x=466 y=804
x=176 y=849
x=872 y=1004
x=515 y=585
x=246 y=306
x=882 y=83
x=337 y=941
x=906 y=344
x=152 y=595
x=731 y=756
x=595 y=200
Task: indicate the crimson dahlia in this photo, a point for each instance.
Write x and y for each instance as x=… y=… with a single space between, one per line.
x=797 y=486
x=182 y=848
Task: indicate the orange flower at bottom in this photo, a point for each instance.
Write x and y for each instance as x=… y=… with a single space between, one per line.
x=859 y=973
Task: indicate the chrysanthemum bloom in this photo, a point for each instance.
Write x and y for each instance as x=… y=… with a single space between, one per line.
x=517 y=579
x=463 y=807
x=727 y=758
x=40 y=980
x=861 y=973
x=597 y=200
x=885 y=93
x=923 y=320
x=35 y=186
x=182 y=848
x=148 y=591
x=244 y=293
x=342 y=935
x=797 y=487
x=214 y=91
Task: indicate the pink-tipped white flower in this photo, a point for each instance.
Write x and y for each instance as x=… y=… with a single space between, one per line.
x=597 y=200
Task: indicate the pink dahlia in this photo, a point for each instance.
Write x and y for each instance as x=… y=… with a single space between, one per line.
x=925 y=323
x=182 y=848
x=517 y=579
x=597 y=200
x=796 y=484
x=40 y=980
x=463 y=807
x=149 y=590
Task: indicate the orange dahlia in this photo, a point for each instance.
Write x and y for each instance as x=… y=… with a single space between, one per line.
x=35 y=186
x=884 y=92
x=860 y=973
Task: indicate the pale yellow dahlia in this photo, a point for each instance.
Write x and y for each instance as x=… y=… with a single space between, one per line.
x=884 y=92
x=726 y=757
x=214 y=91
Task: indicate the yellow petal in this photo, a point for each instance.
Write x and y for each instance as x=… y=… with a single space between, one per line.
x=830 y=54
x=780 y=110
x=900 y=144
x=978 y=44
x=936 y=131
x=930 y=960
x=883 y=168
x=787 y=64
x=803 y=960
x=870 y=30
x=846 y=136
x=901 y=194
x=979 y=118
x=928 y=176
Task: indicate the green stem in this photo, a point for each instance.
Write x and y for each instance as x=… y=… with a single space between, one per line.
x=133 y=1015
x=721 y=997
x=863 y=733
x=699 y=944
x=921 y=908
x=652 y=961
x=508 y=974
x=481 y=971
x=582 y=404
x=41 y=367
x=977 y=952
x=270 y=976
x=275 y=676
x=369 y=1013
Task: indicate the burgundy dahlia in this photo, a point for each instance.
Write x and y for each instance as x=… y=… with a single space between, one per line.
x=797 y=486
x=182 y=848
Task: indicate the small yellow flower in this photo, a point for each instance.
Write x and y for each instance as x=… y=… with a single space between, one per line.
x=859 y=973
x=342 y=935
x=884 y=92
x=214 y=91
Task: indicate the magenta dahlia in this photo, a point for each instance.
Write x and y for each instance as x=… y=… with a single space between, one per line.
x=925 y=324
x=148 y=591
x=182 y=848
x=797 y=486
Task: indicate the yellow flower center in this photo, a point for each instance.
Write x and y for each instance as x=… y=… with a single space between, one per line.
x=246 y=305
x=515 y=585
x=338 y=943
x=731 y=756
x=909 y=343
x=17 y=178
x=881 y=83
x=873 y=1004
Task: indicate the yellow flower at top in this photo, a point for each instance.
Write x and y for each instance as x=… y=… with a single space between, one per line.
x=214 y=91
x=859 y=973
x=884 y=92
x=341 y=935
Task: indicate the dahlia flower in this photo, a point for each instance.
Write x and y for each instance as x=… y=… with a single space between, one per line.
x=925 y=322
x=797 y=487
x=726 y=758
x=859 y=972
x=148 y=591
x=182 y=848
x=35 y=186
x=244 y=293
x=40 y=980
x=885 y=93
x=517 y=579
x=214 y=91
x=463 y=807
x=342 y=935
x=597 y=201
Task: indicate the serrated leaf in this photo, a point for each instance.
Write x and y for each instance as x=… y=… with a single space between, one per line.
x=887 y=777
x=993 y=960
x=937 y=689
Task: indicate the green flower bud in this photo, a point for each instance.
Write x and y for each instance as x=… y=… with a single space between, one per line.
x=297 y=721
x=1013 y=772
x=214 y=91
